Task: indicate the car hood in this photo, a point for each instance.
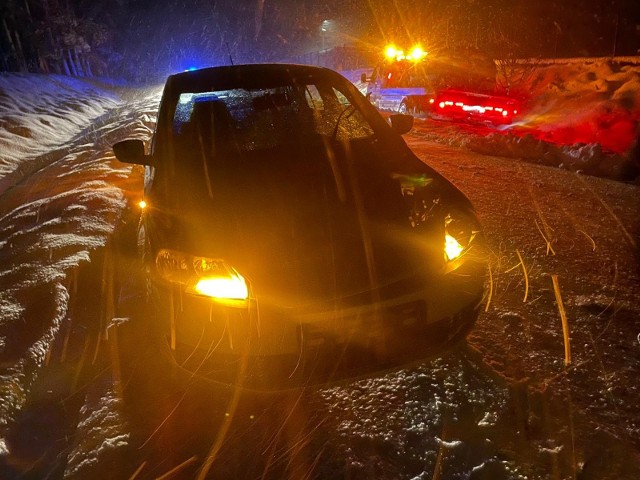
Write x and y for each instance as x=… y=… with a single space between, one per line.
x=304 y=228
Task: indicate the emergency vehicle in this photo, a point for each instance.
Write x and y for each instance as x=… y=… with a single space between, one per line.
x=460 y=86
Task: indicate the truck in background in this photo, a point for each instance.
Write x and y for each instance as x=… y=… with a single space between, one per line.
x=460 y=86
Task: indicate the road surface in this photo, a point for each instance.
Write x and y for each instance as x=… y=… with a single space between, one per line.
x=518 y=402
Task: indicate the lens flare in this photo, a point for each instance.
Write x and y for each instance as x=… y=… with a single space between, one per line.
x=418 y=53
x=233 y=287
x=391 y=52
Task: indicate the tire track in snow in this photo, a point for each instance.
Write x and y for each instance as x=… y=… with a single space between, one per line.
x=53 y=220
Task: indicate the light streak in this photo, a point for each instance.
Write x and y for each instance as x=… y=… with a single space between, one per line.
x=526 y=278
x=437 y=469
x=565 y=322
x=630 y=239
x=232 y=407
x=593 y=243
x=166 y=419
x=548 y=231
x=486 y=308
x=177 y=468
x=138 y=470
x=579 y=228
x=549 y=246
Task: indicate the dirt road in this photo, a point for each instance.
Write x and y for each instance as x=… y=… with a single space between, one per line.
x=523 y=401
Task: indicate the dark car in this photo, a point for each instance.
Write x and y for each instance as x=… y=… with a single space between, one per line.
x=291 y=236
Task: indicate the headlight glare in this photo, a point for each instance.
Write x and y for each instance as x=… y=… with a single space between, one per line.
x=233 y=287
x=201 y=275
x=452 y=248
x=459 y=231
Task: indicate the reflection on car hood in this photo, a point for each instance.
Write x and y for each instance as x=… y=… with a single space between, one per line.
x=302 y=227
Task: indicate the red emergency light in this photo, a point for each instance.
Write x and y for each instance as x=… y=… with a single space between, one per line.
x=457 y=104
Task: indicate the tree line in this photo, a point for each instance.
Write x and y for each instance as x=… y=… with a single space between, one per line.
x=49 y=36
x=133 y=39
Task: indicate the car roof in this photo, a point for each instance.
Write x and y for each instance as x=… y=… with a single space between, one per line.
x=245 y=76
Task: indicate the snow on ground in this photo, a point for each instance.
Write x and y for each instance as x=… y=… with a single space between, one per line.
x=68 y=207
x=41 y=112
x=56 y=218
x=581 y=115
x=438 y=417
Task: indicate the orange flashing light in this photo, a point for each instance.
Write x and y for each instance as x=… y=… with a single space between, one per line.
x=417 y=53
x=391 y=52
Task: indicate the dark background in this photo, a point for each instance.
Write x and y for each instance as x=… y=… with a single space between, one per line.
x=142 y=40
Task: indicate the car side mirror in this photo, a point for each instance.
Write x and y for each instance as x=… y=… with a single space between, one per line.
x=400 y=123
x=132 y=151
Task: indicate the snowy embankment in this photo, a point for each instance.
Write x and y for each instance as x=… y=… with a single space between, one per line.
x=580 y=115
x=39 y=113
x=55 y=214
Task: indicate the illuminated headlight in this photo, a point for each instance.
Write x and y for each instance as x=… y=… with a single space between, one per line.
x=233 y=287
x=459 y=231
x=452 y=249
x=209 y=277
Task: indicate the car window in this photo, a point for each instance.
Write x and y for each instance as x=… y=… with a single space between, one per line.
x=347 y=120
x=341 y=98
x=314 y=99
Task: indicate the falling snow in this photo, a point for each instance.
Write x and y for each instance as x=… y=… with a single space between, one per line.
x=506 y=406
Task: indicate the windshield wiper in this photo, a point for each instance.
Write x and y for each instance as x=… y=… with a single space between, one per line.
x=340 y=117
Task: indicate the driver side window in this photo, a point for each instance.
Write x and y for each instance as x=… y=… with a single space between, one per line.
x=335 y=115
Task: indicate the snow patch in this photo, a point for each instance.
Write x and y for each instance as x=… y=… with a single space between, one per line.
x=48 y=231
x=16 y=377
x=583 y=117
x=489 y=420
x=448 y=444
x=48 y=110
x=102 y=432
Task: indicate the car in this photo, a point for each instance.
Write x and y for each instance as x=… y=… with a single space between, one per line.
x=290 y=236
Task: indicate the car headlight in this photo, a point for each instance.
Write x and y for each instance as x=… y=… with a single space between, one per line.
x=460 y=229
x=452 y=248
x=232 y=287
x=209 y=277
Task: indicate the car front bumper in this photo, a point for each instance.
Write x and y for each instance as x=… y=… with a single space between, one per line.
x=264 y=347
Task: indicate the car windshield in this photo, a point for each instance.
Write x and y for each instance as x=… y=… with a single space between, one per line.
x=249 y=120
